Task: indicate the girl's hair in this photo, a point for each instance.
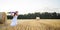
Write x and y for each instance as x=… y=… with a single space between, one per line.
x=16 y=13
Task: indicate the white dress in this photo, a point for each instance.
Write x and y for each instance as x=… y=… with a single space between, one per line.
x=14 y=21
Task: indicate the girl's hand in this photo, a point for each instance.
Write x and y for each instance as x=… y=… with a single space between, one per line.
x=12 y=14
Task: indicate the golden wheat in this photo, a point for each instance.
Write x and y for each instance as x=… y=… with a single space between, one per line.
x=34 y=24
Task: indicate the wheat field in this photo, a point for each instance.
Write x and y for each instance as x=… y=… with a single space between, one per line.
x=33 y=24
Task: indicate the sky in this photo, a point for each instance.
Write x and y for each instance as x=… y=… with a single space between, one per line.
x=30 y=6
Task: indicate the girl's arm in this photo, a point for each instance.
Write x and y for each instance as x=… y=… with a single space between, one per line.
x=12 y=13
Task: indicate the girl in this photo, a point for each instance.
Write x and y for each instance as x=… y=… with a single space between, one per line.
x=14 y=20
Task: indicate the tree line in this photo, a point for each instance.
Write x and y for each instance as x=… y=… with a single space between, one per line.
x=44 y=15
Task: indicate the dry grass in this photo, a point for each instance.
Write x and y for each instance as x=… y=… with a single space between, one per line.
x=34 y=24
x=3 y=17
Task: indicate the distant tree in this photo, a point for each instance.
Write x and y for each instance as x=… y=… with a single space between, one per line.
x=44 y=15
x=54 y=15
x=9 y=17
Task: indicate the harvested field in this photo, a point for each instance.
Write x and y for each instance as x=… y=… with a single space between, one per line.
x=34 y=24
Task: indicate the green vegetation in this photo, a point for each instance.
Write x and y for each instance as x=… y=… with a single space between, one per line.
x=44 y=15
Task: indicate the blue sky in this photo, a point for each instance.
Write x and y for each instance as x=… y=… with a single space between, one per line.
x=30 y=6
